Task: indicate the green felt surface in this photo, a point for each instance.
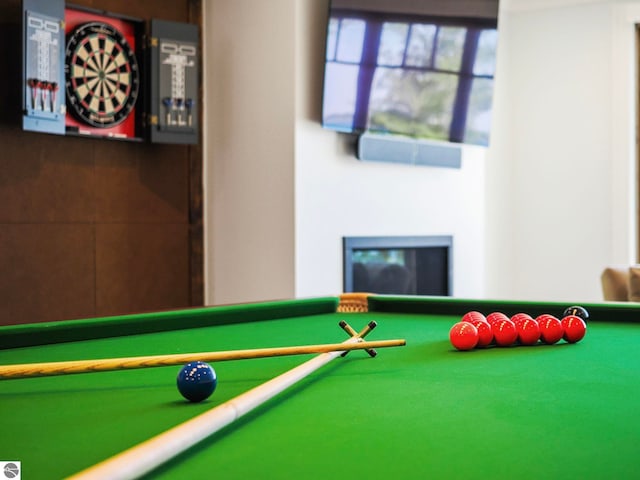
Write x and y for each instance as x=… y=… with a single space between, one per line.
x=420 y=411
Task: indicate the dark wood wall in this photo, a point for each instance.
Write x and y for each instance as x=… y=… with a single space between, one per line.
x=94 y=227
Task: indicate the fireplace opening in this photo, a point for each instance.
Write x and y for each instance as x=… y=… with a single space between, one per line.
x=398 y=265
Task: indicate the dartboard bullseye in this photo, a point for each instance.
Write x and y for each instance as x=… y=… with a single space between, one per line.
x=102 y=76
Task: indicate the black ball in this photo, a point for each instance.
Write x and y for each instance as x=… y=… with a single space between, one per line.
x=578 y=311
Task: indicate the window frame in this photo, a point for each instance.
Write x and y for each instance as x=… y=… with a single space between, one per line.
x=368 y=64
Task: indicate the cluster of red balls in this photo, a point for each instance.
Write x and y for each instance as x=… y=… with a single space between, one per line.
x=476 y=330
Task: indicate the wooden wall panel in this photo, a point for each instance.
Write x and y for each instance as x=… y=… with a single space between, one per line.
x=11 y=78
x=94 y=227
x=175 y=10
x=154 y=255
x=46 y=178
x=46 y=272
x=142 y=183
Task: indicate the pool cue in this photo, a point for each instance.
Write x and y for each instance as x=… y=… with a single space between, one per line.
x=147 y=456
x=29 y=370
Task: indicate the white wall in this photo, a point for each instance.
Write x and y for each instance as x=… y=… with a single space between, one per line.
x=249 y=157
x=537 y=216
x=338 y=195
x=281 y=192
x=560 y=172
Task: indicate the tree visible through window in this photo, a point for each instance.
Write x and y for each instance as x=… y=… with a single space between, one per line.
x=427 y=78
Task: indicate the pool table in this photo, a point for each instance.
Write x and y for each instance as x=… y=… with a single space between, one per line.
x=424 y=410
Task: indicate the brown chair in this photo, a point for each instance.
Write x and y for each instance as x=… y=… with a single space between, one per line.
x=621 y=283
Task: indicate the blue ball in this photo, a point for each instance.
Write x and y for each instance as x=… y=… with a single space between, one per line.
x=197 y=381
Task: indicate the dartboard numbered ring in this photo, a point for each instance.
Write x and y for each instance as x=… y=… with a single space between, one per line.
x=102 y=76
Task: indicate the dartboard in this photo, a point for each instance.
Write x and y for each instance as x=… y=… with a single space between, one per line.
x=102 y=76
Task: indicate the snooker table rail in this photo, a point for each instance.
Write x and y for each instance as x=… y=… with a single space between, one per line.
x=33 y=334
x=607 y=311
x=43 y=333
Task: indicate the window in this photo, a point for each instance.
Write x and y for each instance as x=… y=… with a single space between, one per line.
x=428 y=78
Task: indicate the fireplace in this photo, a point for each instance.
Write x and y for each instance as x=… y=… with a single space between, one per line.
x=398 y=265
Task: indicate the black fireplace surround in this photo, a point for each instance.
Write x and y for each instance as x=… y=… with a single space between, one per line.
x=410 y=265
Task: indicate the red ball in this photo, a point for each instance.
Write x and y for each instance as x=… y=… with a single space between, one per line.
x=495 y=316
x=519 y=318
x=551 y=330
x=485 y=334
x=463 y=336
x=504 y=332
x=574 y=328
x=473 y=316
x=528 y=331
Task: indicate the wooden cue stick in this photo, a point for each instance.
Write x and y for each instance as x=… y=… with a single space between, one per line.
x=147 y=456
x=100 y=365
